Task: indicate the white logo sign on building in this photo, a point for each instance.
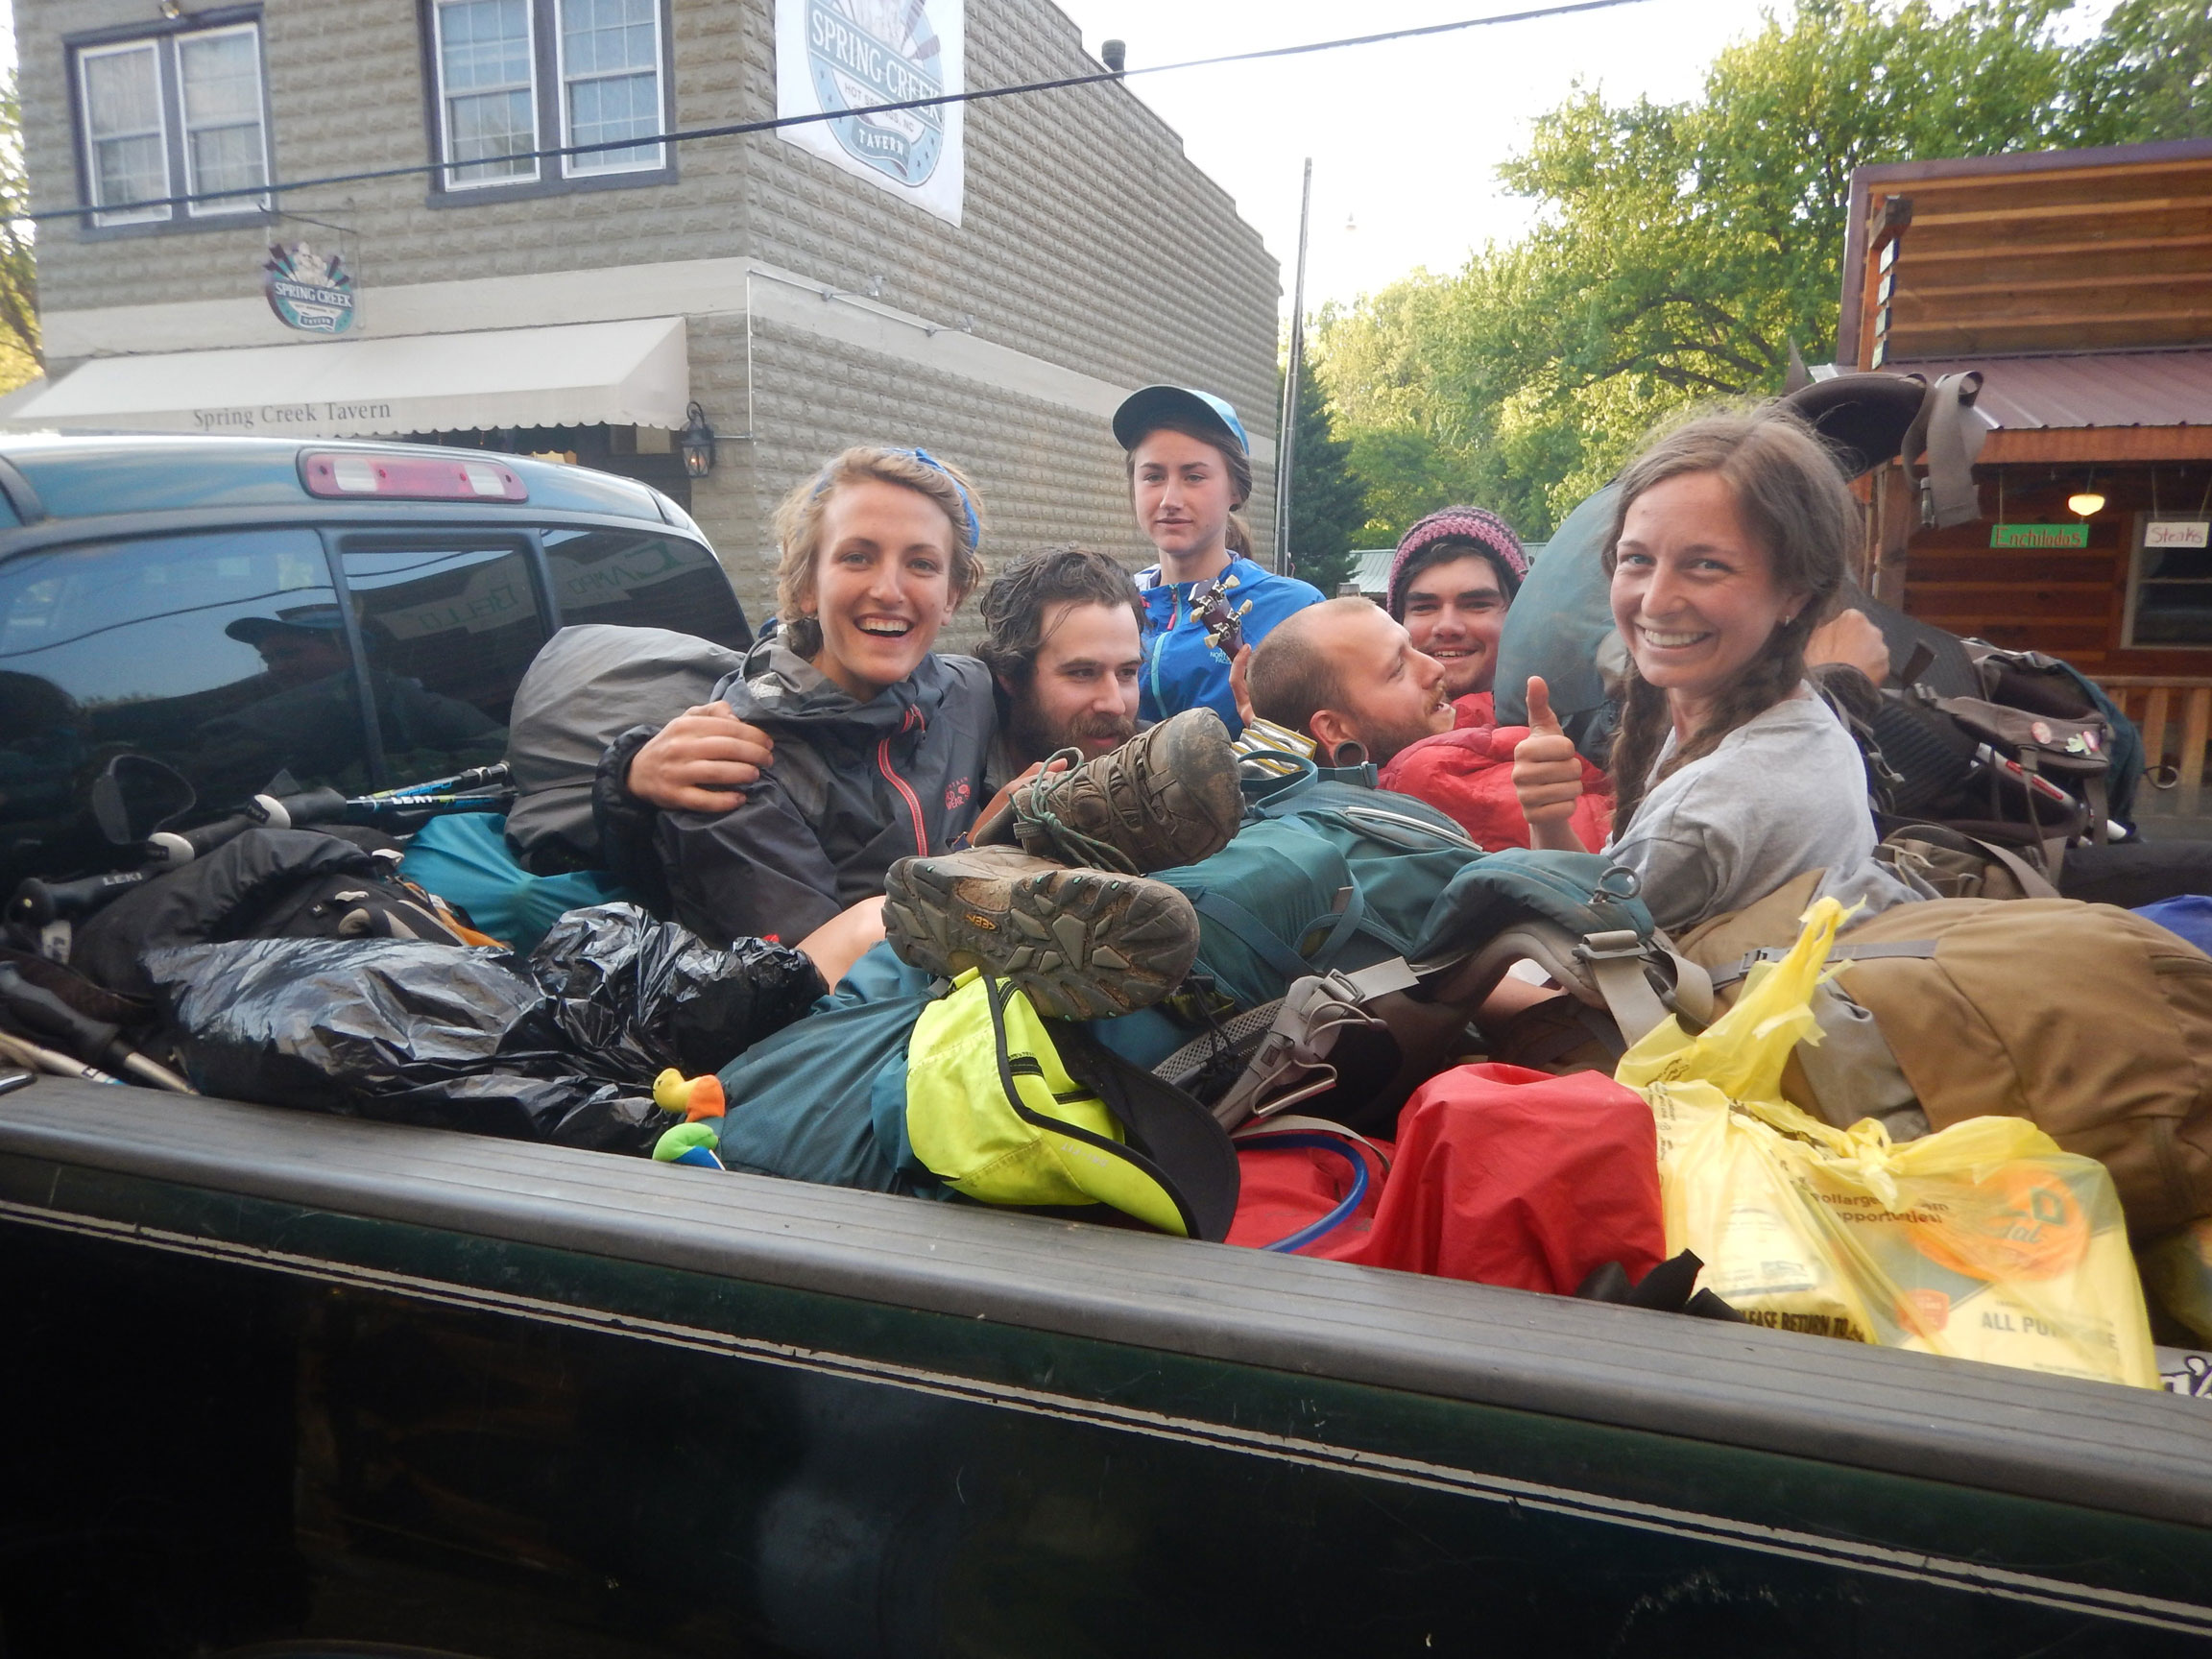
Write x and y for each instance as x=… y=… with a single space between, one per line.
x=308 y=291
x=851 y=54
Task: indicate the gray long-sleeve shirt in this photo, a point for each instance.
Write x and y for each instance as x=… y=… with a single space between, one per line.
x=1784 y=793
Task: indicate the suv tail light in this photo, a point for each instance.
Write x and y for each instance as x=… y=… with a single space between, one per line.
x=343 y=475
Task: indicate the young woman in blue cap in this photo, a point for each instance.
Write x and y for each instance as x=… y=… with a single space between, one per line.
x=1189 y=470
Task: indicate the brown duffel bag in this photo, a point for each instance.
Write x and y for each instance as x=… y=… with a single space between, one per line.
x=2089 y=1021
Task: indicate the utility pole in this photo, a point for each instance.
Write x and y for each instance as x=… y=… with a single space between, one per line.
x=1286 y=429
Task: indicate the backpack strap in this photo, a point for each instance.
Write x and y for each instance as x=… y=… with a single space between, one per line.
x=1618 y=965
x=1910 y=950
x=1292 y=1063
x=2033 y=883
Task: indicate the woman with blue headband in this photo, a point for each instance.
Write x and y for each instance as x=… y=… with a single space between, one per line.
x=1189 y=471
x=878 y=742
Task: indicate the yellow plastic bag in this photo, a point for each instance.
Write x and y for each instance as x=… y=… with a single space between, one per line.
x=1985 y=1241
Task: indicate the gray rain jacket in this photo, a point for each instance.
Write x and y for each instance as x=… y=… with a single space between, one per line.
x=854 y=787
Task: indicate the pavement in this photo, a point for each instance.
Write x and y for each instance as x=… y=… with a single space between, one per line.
x=2154 y=828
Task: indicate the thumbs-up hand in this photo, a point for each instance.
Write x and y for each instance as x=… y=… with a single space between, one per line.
x=1546 y=771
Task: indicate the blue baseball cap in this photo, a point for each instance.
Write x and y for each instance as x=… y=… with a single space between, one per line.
x=1145 y=411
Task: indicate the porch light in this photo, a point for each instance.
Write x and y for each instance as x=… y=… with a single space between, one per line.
x=697 y=442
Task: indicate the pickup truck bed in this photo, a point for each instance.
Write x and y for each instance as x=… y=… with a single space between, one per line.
x=316 y=1377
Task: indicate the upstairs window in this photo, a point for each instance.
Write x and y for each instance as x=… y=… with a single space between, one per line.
x=516 y=76
x=177 y=112
x=486 y=73
x=219 y=96
x=610 y=81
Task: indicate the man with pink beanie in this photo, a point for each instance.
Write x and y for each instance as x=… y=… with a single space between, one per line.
x=1454 y=577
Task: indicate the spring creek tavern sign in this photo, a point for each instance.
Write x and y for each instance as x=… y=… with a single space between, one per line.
x=309 y=291
x=293 y=419
x=835 y=55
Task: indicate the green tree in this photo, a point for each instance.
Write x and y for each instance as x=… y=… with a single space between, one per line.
x=20 y=357
x=1328 y=502
x=1679 y=251
x=2149 y=75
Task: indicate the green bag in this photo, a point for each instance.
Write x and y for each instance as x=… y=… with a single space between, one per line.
x=1329 y=873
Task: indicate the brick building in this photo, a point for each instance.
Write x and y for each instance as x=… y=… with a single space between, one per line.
x=581 y=304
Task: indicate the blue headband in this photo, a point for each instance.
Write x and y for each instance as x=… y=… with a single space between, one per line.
x=967 y=504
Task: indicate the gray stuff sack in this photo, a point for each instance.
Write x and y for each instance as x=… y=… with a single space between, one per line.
x=587 y=686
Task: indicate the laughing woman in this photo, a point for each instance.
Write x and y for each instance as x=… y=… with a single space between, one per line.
x=879 y=741
x=1731 y=537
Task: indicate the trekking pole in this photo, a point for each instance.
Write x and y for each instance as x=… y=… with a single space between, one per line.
x=37 y=902
x=36 y=1006
x=475 y=777
x=37 y=1059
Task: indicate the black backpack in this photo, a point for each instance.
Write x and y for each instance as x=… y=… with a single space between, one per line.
x=263 y=884
x=2040 y=761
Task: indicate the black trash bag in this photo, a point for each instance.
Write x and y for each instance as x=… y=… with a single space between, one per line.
x=635 y=995
x=400 y=1030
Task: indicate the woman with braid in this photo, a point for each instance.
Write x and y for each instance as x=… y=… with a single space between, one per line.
x=1730 y=539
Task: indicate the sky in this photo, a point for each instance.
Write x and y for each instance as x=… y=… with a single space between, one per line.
x=1405 y=137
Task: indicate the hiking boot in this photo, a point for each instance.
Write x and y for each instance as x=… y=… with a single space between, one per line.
x=1168 y=796
x=1084 y=944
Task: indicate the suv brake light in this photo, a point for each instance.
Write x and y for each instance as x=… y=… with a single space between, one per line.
x=409 y=477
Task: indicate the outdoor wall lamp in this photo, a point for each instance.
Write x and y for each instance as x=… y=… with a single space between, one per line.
x=697 y=442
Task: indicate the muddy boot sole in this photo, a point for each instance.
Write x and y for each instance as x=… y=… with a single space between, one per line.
x=1167 y=797
x=1082 y=944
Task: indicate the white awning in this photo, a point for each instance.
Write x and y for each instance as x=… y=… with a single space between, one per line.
x=630 y=373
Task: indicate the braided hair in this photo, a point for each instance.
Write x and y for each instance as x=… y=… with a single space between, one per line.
x=1794 y=503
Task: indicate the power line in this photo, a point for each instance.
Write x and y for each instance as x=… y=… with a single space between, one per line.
x=738 y=129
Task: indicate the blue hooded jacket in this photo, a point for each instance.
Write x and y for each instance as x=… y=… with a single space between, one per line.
x=1180 y=669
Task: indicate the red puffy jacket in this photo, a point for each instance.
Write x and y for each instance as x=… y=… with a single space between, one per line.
x=1468 y=772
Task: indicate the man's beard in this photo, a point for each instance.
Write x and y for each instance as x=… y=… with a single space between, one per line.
x=1034 y=739
x=1387 y=744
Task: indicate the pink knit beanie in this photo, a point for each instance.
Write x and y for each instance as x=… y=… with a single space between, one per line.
x=1477 y=525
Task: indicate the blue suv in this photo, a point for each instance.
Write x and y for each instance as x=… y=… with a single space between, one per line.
x=350 y=614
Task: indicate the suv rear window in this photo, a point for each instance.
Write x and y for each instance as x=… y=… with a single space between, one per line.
x=639 y=580
x=449 y=630
x=223 y=654
x=227 y=656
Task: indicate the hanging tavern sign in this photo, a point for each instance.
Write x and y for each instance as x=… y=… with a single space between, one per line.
x=309 y=291
x=849 y=54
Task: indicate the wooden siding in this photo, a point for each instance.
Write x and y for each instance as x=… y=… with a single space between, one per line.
x=2065 y=259
x=2070 y=602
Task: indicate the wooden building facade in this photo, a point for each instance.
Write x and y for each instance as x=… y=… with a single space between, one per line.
x=2079 y=285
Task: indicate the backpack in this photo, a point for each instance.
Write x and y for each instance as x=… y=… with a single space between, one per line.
x=882 y=1087
x=2090 y=1022
x=263 y=884
x=1333 y=879
x=2042 y=759
x=1327 y=872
